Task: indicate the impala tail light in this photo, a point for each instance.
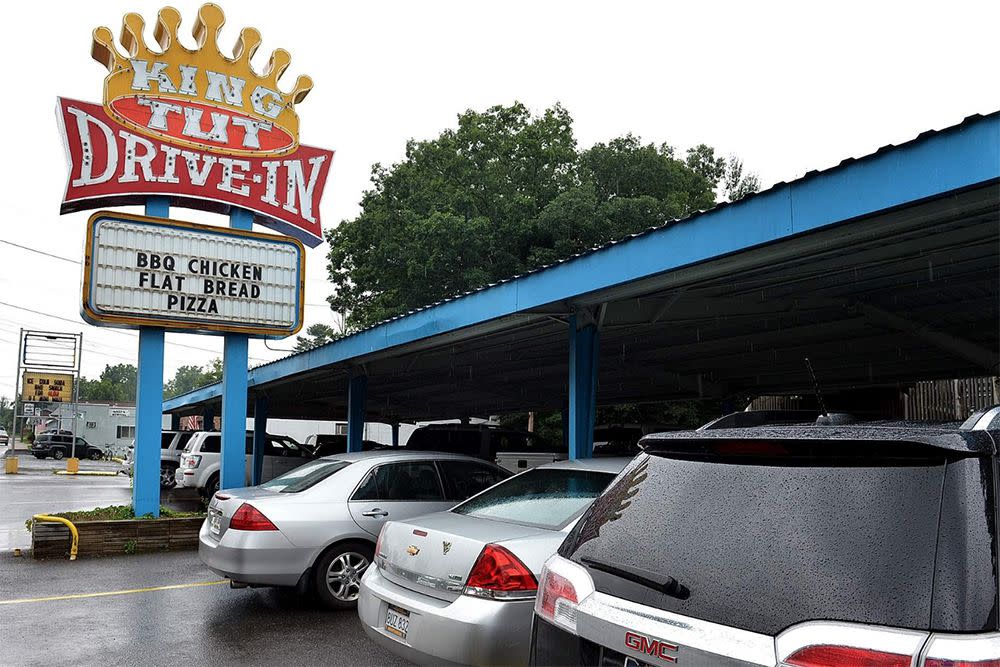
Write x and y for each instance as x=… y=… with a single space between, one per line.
x=378 y=542
x=248 y=517
x=564 y=585
x=500 y=575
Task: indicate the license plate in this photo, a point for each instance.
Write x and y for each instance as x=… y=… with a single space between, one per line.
x=397 y=621
x=215 y=521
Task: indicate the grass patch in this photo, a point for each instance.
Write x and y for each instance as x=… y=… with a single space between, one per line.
x=118 y=513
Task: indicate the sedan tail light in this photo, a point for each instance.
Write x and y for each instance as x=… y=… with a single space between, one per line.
x=499 y=574
x=248 y=517
x=378 y=542
x=563 y=587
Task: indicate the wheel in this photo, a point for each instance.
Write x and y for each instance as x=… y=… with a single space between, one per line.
x=212 y=487
x=167 y=480
x=57 y=454
x=337 y=576
x=96 y=455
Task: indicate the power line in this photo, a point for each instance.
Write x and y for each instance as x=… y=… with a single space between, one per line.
x=118 y=331
x=40 y=252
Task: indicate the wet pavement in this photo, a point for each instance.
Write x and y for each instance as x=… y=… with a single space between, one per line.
x=196 y=622
x=35 y=489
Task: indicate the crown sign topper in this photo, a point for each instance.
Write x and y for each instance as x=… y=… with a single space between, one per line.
x=196 y=125
x=174 y=92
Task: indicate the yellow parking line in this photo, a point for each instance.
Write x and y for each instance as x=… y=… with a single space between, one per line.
x=79 y=596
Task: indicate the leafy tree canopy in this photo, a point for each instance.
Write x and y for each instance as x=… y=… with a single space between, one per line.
x=116 y=383
x=191 y=377
x=316 y=335
x=502 y=193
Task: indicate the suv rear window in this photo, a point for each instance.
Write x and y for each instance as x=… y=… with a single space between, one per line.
x=543 y=497
x=762 y=539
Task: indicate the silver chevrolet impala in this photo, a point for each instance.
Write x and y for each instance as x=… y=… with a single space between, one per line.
x=316 y=526
x=457 y=587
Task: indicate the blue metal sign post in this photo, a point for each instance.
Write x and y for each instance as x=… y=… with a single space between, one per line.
x=149 y=405
x=234 y=390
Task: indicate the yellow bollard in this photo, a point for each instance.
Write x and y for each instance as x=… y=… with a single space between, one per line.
x=73 y=465
x=10 y=465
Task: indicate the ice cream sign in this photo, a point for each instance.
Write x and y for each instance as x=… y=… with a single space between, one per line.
x=195 y=125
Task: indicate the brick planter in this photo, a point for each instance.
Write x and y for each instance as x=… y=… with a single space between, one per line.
x=110 y=538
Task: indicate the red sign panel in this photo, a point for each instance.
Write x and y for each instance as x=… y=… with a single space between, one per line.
x=111 y=165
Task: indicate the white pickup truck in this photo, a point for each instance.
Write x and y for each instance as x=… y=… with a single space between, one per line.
x=201 y=460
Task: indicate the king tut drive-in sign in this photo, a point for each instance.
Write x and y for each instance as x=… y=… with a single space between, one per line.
x=142 y=271
x=196 y=126
x=39 y=387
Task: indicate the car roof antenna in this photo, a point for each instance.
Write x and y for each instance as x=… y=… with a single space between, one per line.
x=816 y=389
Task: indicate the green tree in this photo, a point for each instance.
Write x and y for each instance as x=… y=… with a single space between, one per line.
x=116 y=383
x=7 y=415
x=316 y=335
x=187 y=378
x=735 y=184
x=502 y=193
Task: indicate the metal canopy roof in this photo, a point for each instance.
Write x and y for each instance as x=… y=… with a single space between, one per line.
x=881 y=270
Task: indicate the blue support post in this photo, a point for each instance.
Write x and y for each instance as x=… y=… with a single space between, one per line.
x=234 y=390
x=208 y=419
x=395 y=434
x=149 y=405
x=583 y=352
x=357 y=397
x=259 y=431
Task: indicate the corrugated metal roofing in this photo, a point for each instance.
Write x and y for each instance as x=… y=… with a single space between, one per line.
x=923 y=136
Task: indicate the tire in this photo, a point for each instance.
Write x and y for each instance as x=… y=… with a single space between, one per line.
x=167 y=480
x=96 y=455
x=337 y=575
x=211 y=488
x=57 y=453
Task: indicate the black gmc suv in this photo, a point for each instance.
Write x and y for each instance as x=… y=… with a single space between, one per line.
x=868 y=545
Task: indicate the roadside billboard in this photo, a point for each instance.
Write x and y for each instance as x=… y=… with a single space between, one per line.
x=41 y=387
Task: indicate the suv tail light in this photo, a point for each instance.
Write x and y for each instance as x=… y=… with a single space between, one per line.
x=835 y=644
x=563 y=587
x=248 y=517
x=499 y=574
x=191 y=461
x=845 y=656
x=963 y=651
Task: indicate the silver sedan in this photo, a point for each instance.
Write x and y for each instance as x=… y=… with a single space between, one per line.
x=316 y=526
x=457 y=587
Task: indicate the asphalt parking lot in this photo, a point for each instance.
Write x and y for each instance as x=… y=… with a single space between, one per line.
x=150 y=609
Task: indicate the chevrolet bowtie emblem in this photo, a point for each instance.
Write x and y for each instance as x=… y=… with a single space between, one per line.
x=412 y=550
x=446 y=547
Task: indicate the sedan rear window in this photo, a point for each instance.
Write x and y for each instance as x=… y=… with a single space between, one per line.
x=544 y=497
x=305 y=477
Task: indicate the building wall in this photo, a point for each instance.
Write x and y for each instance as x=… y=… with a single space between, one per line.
x=101 y=424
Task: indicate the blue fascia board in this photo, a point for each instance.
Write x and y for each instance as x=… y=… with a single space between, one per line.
x=960 y=157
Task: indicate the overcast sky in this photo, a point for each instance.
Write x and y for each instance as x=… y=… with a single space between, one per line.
x=787 y=87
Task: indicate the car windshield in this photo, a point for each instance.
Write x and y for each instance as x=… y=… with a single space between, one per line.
x=305 y=477
x=544 y=497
